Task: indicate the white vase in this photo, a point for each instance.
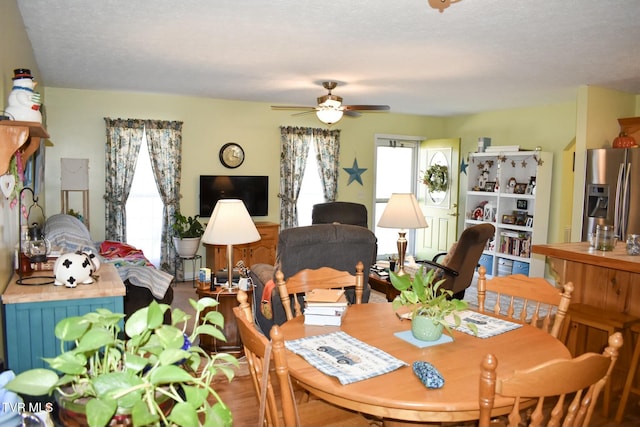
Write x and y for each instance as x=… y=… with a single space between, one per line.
x=186 y=247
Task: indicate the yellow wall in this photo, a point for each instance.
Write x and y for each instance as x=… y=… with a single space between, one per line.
x=550 y=127
x=15 y=52
x=598 y=110
x=77 y=129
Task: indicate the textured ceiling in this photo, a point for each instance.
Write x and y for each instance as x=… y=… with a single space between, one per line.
x=479 y=55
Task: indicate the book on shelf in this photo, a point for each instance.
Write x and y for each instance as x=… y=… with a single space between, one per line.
x=326 y=297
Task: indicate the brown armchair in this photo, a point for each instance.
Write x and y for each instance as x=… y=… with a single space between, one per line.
x=462 y=259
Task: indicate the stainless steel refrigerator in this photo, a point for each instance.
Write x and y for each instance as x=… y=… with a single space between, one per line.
x=612 y=193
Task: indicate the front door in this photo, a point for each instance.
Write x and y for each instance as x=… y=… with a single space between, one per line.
x=439 y=161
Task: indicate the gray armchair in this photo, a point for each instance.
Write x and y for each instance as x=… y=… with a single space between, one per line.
x=339 y=246
x=340 y=212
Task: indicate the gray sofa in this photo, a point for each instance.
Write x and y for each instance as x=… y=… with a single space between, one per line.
x=339 y=246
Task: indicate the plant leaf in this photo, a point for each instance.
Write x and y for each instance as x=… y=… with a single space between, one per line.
x=219 y=415
x=169 y=374
x=99 y=412
x=95 y=338
x=211 y=331
x=34 y=382
x=141 y=416
x=183 y=414
x=70 y=328
x=172 y=355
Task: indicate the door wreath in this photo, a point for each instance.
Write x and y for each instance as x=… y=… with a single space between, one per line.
x=435 y=178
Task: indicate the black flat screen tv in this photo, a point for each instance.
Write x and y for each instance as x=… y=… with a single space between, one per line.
x=252 y=190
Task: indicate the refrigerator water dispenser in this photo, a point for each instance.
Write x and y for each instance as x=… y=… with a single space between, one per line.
x=598 y=200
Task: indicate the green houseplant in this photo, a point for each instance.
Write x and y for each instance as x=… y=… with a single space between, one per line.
x=187 y=234
x=430 y=304
x=187 y=227
x=153 y=374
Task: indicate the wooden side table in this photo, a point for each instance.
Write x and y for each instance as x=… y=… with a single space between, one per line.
x=383 y=285
x=227 y=299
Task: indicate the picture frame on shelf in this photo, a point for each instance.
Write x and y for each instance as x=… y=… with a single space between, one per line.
x=490 y=186
x=522 y=204
x=508 y=219
x=520 y=188
x=529 y=222
x=531 y=187
x=521 y=217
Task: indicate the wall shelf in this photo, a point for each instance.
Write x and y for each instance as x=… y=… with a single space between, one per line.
x=19 y=136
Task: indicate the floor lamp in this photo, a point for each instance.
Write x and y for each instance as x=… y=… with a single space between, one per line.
x=403 y=212
x=230 y=224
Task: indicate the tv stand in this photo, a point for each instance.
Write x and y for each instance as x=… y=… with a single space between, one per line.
x=261 y=252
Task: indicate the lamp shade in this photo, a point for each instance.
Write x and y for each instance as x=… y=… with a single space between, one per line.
x=402 y=211
x=329 y=115
x=230 y=224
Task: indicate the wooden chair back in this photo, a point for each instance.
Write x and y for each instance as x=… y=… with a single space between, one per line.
x=258 y=359
x=267 y=361
x=527 y=300
x=584 y=375
x=321 y=278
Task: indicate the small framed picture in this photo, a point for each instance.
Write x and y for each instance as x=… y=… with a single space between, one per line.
x=529 y=221
x=520 y=188
x=508 y=219
x=521 y=204
x=490 y=186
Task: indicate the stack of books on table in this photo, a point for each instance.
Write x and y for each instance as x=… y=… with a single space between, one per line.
x=325 y=307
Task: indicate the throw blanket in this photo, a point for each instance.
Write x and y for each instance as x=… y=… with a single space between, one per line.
x=132 y=265
x=67 y=233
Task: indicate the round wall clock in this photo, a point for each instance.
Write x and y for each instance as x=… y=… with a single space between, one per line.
x=231 y=155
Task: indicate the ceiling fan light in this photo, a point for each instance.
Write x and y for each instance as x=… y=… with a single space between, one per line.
x=329 y=115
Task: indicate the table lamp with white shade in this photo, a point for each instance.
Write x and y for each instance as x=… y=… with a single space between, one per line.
x=230 y=224
x=402 y=212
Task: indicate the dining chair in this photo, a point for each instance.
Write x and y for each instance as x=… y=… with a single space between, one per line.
x=527 y=300
x=321 y=278
x=576 y=383
x=267 y=361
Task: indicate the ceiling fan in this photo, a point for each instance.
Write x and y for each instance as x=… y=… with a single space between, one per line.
x=330 y=108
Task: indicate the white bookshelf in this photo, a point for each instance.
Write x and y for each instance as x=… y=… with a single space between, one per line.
x=521 y=220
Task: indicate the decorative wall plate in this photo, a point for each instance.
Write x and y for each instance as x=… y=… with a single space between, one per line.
x=231 y=155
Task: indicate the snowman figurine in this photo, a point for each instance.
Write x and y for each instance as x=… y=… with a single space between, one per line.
x=24 y=102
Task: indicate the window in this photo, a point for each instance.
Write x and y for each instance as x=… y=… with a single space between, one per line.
x=395 y=172
x=144 y=209
x=311 y=191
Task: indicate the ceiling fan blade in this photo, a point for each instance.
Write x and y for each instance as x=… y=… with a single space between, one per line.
x=366 y=107
x=292 y=107
x=351 y=113
x=304 y=112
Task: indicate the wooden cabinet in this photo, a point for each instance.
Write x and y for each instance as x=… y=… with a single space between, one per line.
x=261 y=252
x=608 y=280
x=500 y=191
x=17 y=135
x=32 y=312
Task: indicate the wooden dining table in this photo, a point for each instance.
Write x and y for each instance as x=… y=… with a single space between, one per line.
x=399 y=397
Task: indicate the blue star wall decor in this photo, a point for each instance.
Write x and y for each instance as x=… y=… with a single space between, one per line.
x=463 y=167
x=355 y=173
